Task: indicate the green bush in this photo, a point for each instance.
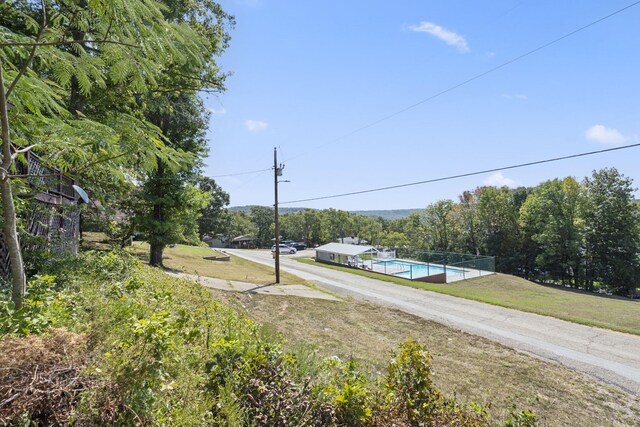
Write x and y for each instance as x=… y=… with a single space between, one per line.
x=348 y=391
x=44 y=305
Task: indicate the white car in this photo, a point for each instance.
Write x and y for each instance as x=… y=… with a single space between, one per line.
x=284 y=249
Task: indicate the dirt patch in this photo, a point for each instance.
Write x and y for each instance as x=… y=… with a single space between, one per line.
x=41 y=376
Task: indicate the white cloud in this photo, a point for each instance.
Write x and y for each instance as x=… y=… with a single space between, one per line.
x=449 y=37
x=256 y=125
x=605 y=135
x=499 y=180
x=218 y=111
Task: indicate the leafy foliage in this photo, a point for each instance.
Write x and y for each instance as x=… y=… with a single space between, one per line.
x=612 y=231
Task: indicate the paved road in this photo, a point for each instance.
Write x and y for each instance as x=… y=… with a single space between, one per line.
x=612 y=357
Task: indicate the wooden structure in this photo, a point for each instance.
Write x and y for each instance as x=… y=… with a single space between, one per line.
x=52 y=217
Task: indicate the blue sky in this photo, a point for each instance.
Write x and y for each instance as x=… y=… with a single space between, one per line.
x=306 y=75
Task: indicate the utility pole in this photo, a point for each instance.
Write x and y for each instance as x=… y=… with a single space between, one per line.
x=277 y=172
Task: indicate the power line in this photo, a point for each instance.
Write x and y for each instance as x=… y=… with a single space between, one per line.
x=469 y=80
x=428 y=181
x=176 y=178
x=240 y=173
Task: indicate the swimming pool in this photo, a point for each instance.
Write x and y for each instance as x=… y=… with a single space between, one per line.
x=413 y=270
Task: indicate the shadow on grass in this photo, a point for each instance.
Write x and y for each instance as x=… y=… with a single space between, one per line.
x=561 y=287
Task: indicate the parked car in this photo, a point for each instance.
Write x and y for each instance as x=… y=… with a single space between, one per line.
x=299 y=246
x=284 y=249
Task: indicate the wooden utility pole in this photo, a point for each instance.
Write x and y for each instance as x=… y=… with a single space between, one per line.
x=277 y=172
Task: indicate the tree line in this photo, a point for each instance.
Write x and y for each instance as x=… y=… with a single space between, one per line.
x=582 y=234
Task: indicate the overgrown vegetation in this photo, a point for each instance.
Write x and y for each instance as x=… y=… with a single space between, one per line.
x=146 y=349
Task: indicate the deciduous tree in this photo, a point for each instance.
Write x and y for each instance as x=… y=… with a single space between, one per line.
x=71 y=73
x=551 y=228
x=612 y=224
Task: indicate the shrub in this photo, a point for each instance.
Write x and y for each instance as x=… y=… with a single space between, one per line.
x=347 y=389
x=45 y=304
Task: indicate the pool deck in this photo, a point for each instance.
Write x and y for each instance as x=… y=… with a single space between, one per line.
x=469 y=273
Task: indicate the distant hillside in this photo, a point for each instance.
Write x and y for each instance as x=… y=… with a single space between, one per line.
x=282 y=210
x=386 y=214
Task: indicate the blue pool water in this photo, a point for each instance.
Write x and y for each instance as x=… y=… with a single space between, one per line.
x=413 y=270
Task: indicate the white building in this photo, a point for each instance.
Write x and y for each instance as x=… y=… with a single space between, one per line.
x=344 y=254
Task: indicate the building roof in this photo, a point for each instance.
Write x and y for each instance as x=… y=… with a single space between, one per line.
x=242 y=238
x=344 y=249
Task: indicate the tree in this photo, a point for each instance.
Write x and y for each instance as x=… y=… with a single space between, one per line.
x=394 y=239
x=263 y=219
x=214 y=217
x=239 y=224
x=413 y=227
x=464 y=216
x=552 y=237
x=498 y=226
x=177 y=110
x=170 y=202
x=612 y=238
x=312 y=227
x=54 y=55
x=292 y=226
x=365 y=228
x=438 y=224
x=336 y=224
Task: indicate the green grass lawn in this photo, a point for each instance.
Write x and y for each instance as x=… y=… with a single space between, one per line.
x=613 y=313
x=189 y=259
